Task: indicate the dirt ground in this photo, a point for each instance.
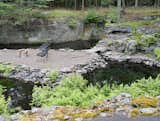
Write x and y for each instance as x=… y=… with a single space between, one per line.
x=57 y=59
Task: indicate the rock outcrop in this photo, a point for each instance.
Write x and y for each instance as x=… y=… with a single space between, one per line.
x=54 y=32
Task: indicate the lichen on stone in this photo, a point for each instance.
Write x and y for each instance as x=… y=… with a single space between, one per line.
x=29 y=117
x=135 y=112
x=145 y=102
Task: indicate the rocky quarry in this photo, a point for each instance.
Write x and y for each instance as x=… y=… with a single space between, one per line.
x=112 y=47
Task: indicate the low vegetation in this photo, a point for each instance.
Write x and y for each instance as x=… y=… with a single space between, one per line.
x=5 y=69
x=53 y=75
x=72 y=23
x=4 y=110
x=144 y=40
x=157 y=52
x=75 y=91
x=93 y=17
x=136 y=24
x=17 y=15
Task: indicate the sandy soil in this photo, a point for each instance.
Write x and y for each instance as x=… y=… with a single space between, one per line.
x=57 y=59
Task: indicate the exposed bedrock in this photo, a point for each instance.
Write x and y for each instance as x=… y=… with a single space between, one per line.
x=57 y=32
x=114 y=59
x=118 y=47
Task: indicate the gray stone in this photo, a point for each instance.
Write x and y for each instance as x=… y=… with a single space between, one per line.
x=148 y=110
x=118 y=29
x=55 y=32
x=131 y=47
x=79 y=119
x=3 y=119
x=103 y=114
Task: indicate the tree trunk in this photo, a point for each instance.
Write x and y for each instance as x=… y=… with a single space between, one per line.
x=96 y=3
x=75 y=4
x=123 y=4
x=136 y=3
x=119 y=10
x=82 y=4
x=158 y=4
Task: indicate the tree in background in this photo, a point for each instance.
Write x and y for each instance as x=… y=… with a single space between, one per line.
x=119 y=10
x=136 y=3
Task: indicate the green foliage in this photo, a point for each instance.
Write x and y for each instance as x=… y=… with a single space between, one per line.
x=157 y=52
x=93 y=17
x=157 y=34
x=72 y=91
x=144 y=40
x=75 y=91
x=148 y=40
x=40 y=2
x=5 y=69
x=135 y=24
x=72 y=23
x=18 y=15
x=53 y=75
x=58 y=13
x=74 y=81
x=111 y=17
x=143 y=87
x=5 y=9
x=106 y=3
x=3 y=103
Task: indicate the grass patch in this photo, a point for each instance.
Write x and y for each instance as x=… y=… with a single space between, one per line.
x=135 y=24
x=144 y=11
x=58 y=13
x=75 y=91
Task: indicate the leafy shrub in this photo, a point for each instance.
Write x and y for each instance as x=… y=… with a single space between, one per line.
x=136 y=35
x=157 y=34
x=157 y=52
x=112 y=17
x=106 y=3
x=149 y=87
x=93 y=17
x=53 y=75
x=17 y=15
x=72 y=91
x=72 y=23
x=3 y=103
x=148 y=40
x=75 y=91
x=144 y=40
x=40 y=2
x=5 y=69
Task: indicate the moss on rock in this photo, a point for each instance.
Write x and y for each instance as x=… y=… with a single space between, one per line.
x=145 y=102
